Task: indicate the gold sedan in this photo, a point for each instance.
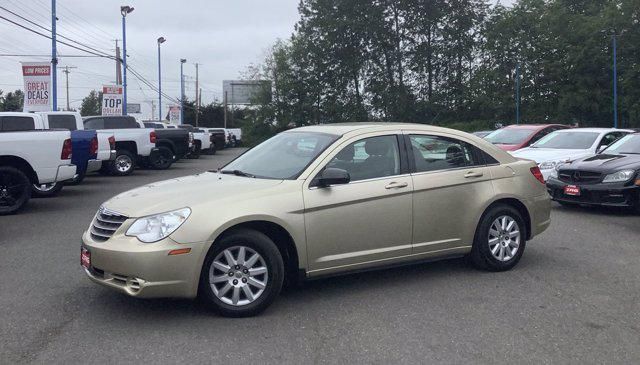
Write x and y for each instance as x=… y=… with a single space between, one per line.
x=317 y=201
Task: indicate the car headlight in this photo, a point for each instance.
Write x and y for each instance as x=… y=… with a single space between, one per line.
x=153 y=228
x=620 y=176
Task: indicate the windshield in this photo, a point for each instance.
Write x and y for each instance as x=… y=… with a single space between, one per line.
x=629 y=144
x=567 y=140
x=284 y=156
x=509 y=136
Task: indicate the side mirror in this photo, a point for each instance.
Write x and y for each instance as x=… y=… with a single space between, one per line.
x=333 y=176
x=602 y=148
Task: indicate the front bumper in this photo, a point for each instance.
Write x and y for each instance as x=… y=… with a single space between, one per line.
x=65 y=172
x=614 y=194
x=144 y=270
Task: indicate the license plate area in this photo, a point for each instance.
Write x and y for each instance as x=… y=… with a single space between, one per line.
x=572 y=190
x=85 y=258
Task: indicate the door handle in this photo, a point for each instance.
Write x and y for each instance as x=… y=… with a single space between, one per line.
x=471 y=174
x=396 y=185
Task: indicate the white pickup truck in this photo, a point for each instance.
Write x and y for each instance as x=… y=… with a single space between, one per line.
x=133 y=144
x=46 y=159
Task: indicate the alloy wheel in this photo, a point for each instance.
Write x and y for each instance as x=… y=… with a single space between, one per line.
x=11 y=190
x=45 y=187
x=123 y=163
x=504 y=238
x=238 y=276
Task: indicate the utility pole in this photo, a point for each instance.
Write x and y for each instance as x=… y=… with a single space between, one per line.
x=225 y=108
x=182 y=61
x=66 y=71
x=124 y=10
x=197 y=104
x=54 y=58
x=615 y=82
x=118 y=65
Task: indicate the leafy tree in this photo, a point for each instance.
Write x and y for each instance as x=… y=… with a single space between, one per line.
x=92 y=104
x=12 y=101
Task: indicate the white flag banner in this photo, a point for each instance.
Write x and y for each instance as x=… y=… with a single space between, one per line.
x=174 y=114
x=37 y=86
x=112 y=100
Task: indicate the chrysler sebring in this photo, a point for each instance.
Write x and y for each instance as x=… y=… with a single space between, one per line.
x=317 y=201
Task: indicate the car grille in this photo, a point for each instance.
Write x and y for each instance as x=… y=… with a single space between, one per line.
x=579 y=176
x=105 y=224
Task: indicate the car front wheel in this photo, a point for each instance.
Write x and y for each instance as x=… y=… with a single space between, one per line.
x=15 y=190
x=242 y=274
x=500 y=239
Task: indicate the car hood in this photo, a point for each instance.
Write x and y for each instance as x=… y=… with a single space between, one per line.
x=606 y=163
x=540 y=155
x=187 y=191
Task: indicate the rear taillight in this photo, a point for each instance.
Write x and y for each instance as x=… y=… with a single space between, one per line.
x=93 y=148
x=152 y=137
x=112 y=142
x=537 y=174
x=66 y=150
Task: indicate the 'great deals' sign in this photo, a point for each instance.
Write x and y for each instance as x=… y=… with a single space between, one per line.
x=37 y=86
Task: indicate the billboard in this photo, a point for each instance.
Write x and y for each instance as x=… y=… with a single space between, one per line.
x=244 y=91
x=133 y=108
x=37 y=86
x=112 y=100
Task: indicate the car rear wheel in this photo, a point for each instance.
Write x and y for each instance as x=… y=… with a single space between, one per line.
x=500 y=239
x=242 y=274
x=15 y=190
x=163 y=159
x=124 y=164
x=46 y=190
x=195 y=154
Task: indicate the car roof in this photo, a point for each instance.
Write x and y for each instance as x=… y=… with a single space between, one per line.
x=344 y=128
x=533 y=126
x=596 y=130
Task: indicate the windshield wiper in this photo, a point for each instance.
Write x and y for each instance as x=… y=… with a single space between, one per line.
x=237 y=173
x=627 y=153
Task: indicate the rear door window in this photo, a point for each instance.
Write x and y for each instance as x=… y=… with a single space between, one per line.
x=62 y=121
x=433 y=153
x=9 y=124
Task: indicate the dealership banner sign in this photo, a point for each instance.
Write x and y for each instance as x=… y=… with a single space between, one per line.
x=37 y=86
x=112 y=100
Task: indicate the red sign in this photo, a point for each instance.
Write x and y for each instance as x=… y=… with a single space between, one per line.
x=36 y=70
x=572 y=190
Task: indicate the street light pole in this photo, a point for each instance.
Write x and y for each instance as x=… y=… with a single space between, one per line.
x=54 y=58
x=615 y=82
x=182 y=61
x=124 y=10
x=160 y=41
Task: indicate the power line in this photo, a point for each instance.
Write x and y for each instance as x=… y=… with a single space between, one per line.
x=49 y=30
x=61 y=42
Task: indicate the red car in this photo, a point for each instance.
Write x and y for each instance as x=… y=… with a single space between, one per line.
x=515 y=137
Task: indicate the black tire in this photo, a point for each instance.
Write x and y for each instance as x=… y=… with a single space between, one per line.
x=15 y=190
x=46 y=190
x=481 y=255
x=163 y=159
x=272 y=259
x=76 y=179
x=124 y=164
x=195 y=154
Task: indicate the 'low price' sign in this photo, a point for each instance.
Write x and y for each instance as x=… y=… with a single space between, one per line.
x=112 y=100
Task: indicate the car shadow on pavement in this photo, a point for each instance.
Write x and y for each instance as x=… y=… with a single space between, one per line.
x=334 y=288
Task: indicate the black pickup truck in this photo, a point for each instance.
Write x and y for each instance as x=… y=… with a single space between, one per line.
x=173 y=144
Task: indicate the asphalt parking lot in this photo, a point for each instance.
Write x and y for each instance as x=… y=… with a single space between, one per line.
x=574 y=298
